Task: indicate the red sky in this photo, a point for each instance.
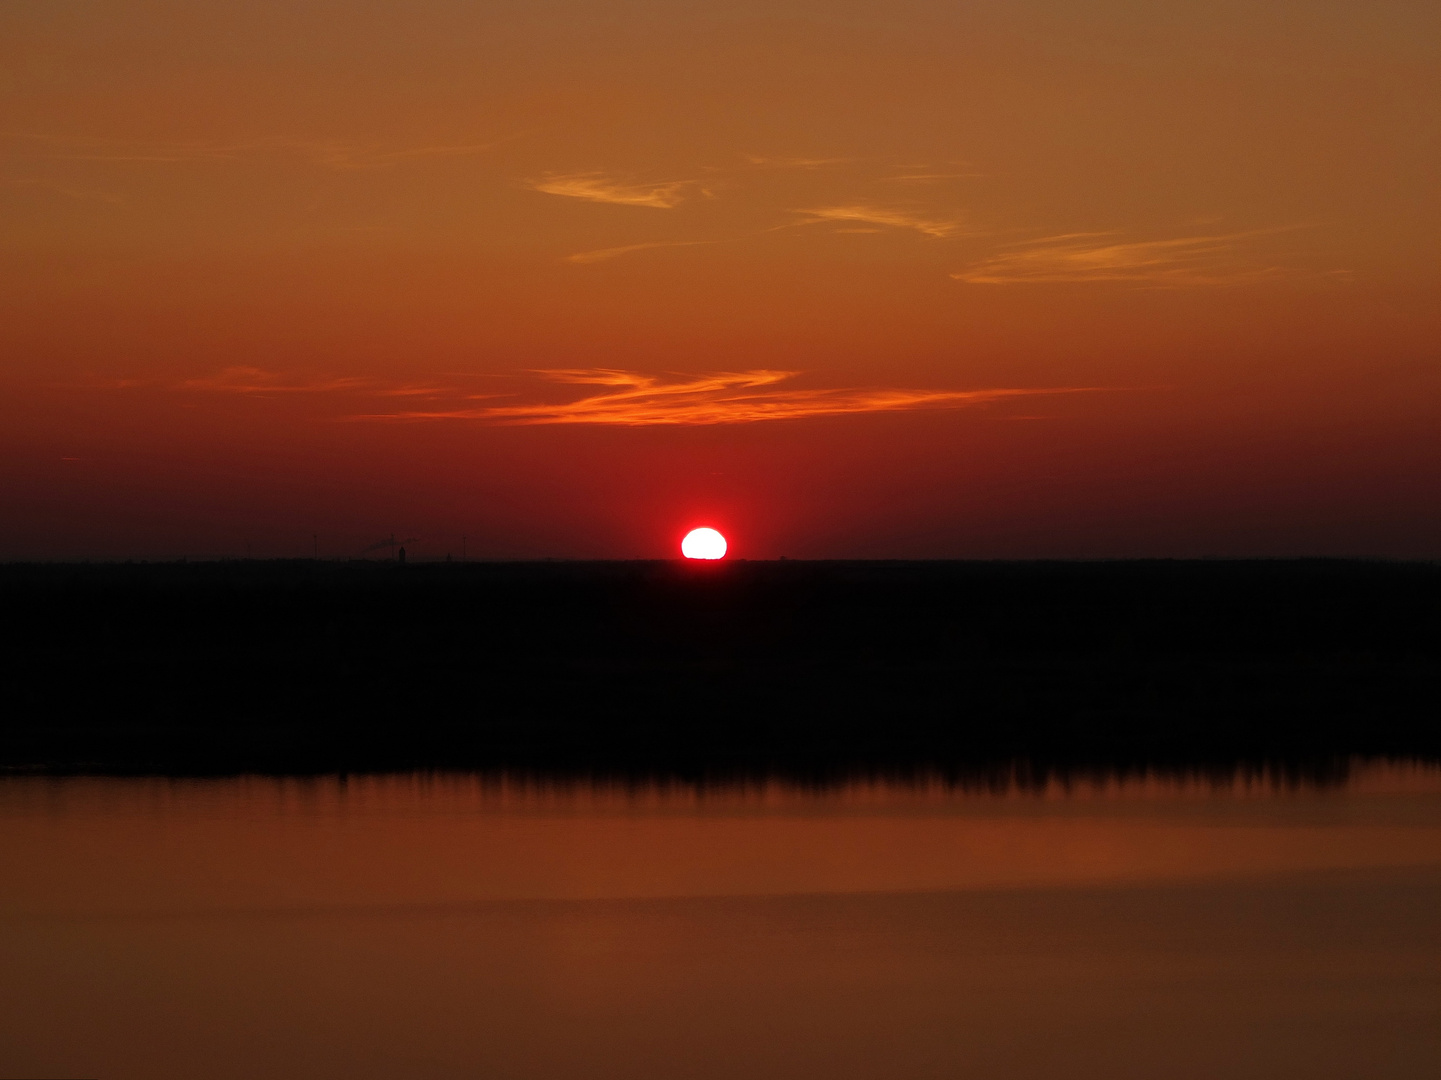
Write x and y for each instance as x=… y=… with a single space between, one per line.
x=839 y=278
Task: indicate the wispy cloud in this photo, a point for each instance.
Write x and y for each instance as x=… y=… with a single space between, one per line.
x=794 y=162
x=254 y=380
x=598 y=187
x=327 y=153
x=939 y=228
x=348 y=156
x=635 y=399
x=70 y=191
x=603 y=254
x=925 y=177
x=1083 y=257
x=94 y=148
x=607 y=396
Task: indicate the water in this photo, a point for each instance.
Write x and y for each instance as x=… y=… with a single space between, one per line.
x=460 y=927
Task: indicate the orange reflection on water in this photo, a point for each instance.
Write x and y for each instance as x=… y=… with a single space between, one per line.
x=132 y=846
x=450 y=925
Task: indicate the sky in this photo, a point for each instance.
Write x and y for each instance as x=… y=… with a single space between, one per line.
x=842 y=279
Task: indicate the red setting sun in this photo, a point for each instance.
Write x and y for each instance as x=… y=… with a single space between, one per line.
x=703 y=544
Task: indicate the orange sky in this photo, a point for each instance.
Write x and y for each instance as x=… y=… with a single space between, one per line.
x=839 y=278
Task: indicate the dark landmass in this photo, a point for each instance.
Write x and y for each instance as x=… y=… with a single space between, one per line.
x=808 y=670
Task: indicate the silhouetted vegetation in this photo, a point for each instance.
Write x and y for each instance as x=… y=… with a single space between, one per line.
x=807 y=670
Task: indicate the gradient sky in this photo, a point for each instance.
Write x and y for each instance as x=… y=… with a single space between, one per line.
x=840 y=278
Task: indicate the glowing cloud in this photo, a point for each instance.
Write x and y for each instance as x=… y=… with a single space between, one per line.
x=725 y=397
x=597 y=187
x=626 y=398
x=342 y=156
x=932 y=176
x=253 y=380
x=611 y=253
x=875 y=215
x=1081 y=257
x=794 y=162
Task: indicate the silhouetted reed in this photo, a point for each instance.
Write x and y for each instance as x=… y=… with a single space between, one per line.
x=810 y=671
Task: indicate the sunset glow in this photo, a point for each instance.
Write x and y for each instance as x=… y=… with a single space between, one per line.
x=748 y=538
x=912 y=279
x=703 y=544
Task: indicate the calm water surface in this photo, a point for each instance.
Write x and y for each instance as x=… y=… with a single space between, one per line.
x=458 y=927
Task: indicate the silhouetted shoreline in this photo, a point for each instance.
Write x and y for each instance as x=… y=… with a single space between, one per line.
x=805 y=670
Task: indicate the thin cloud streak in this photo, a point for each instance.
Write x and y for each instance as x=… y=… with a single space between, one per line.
x=1098 y=257
x=794 y=162
x=342 y=156
x=939 y=228
x=253 y=380
x=624 y=398
x=604 y=254
x=598 y=187
x=92 y=148
x=325 y=153
x=923 y=177
x=634 y=399
x=68 y=190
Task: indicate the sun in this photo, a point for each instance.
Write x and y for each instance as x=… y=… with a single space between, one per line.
x=703 y=544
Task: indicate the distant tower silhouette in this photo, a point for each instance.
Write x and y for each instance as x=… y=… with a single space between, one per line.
x=400 y=555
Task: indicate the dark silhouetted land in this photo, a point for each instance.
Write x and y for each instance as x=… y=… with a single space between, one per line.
x=652 y=668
